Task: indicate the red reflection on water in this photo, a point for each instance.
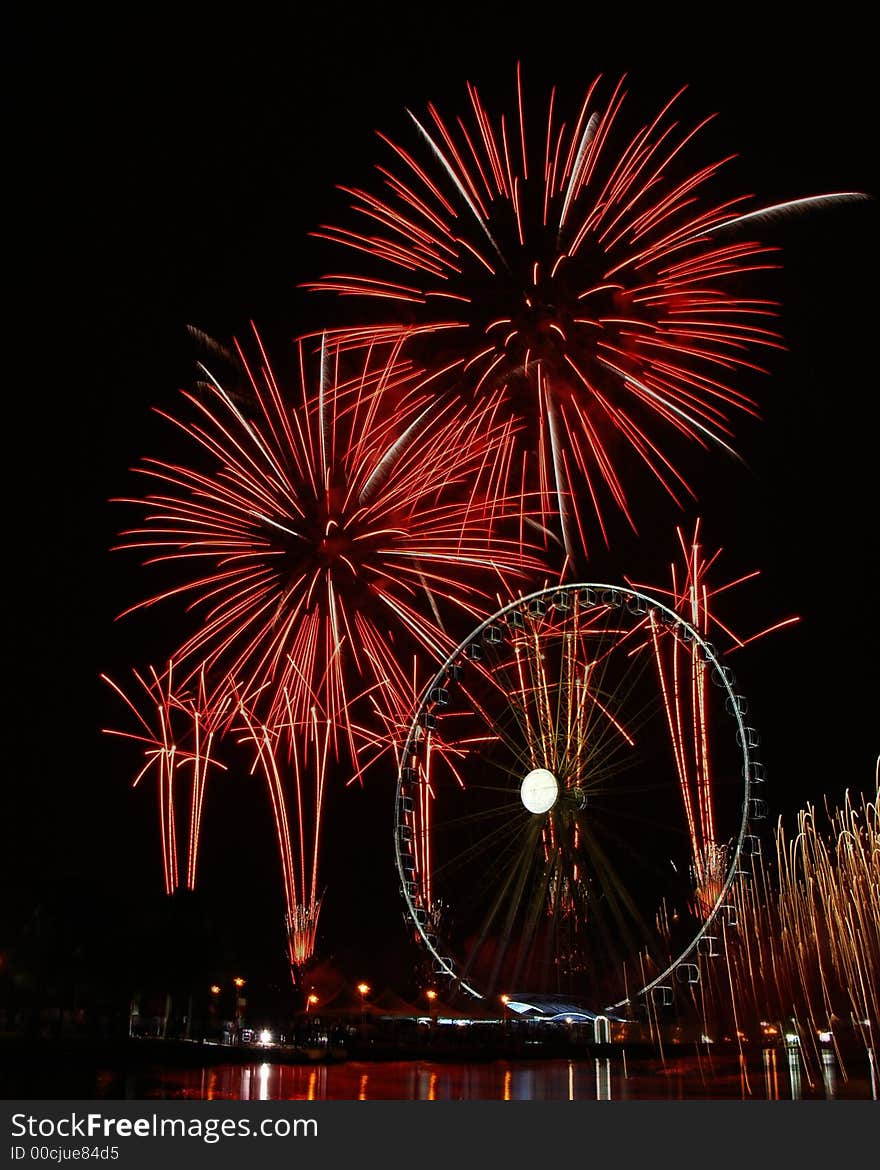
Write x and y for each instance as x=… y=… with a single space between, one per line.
x=682 y=1078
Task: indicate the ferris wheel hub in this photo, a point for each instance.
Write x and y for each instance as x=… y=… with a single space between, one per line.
x=539 y=790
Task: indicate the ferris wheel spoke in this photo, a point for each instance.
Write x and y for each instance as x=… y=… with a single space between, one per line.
x=615 y=892
x=496 y=844
x=507 y=897
x=529 y=930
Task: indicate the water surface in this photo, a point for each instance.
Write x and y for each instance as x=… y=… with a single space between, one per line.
x=770 y=1074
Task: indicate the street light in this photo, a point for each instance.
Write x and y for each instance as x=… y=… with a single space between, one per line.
x=431 y=997
x=364 y=989
x=311 y=1001
x=240 y=1004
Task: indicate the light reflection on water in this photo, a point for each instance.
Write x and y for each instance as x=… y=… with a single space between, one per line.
x=772 y=1074
x=794 y=1073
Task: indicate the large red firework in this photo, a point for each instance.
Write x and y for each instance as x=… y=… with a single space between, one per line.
x=586 y=269
x=320 y=540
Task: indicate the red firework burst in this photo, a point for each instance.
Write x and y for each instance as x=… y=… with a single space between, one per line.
x=585 y=270
x=325 y=534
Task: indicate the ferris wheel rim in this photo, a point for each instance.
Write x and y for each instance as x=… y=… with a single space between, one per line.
x=721 y=676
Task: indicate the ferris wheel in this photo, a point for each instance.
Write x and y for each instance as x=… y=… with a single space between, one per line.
x=575 y=794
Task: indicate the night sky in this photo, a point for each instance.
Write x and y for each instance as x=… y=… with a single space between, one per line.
x=165 y=175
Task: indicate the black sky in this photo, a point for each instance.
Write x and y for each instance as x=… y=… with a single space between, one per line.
x=165 y=173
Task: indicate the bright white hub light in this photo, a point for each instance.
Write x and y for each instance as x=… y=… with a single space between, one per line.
x=539 y=790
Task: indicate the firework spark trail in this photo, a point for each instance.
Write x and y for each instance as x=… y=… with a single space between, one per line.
x=320 y=526
x=177 y=728
x=208 y=720
x=293 y=760
x=581 y=269
x=684 y=684
x=792 y=207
